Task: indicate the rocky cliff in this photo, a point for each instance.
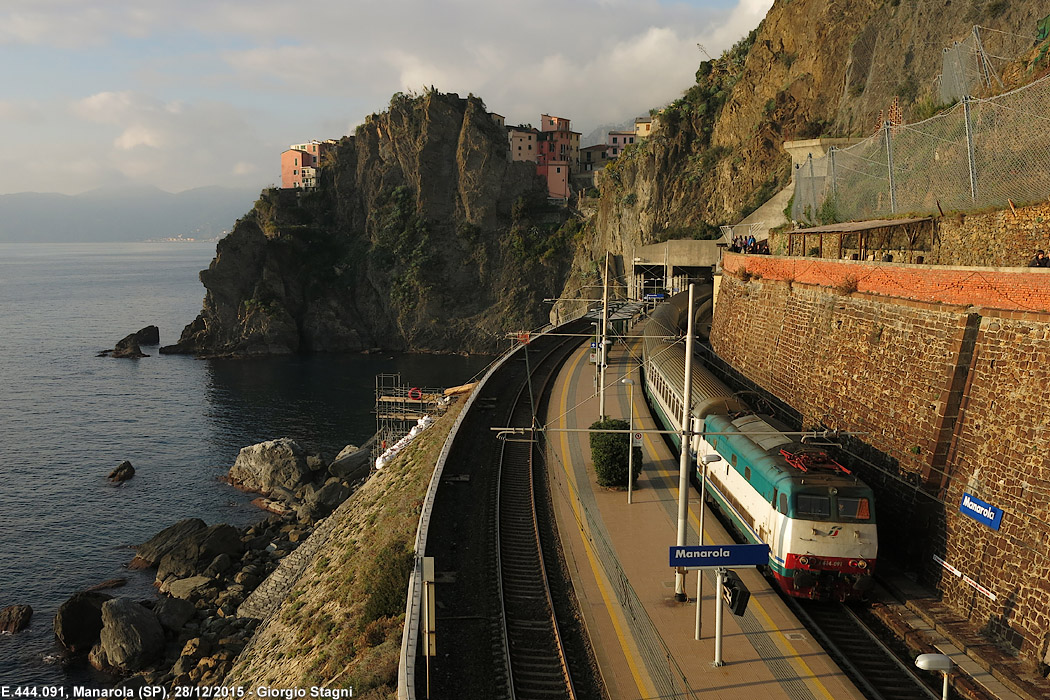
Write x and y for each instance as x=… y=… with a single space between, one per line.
x=812 y=68
x=424 y=236
x=421 y=235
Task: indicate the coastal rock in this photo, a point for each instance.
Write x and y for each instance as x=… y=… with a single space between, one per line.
x=321 y=502
x=122 y=472
x=193 y=554
x=107 y=584
x=187 y=588
x=78 y=621
x=351 y=464
x=270 y=465
x=15 y=618
x=131 y=635
x=128 y=347
x=174 y=613
x=153 y=550
x=150 y=335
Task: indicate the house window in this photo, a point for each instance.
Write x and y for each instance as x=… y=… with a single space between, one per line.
x=559 y=170
x=632 y=140
x=614 y=139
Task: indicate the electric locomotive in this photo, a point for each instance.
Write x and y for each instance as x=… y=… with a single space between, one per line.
x=816 y=516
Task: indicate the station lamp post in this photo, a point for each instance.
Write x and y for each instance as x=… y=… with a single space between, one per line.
x=705 y=460
x=936 y=662
x=630 y=439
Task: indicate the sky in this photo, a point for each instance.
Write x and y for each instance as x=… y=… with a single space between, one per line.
x=190 y=93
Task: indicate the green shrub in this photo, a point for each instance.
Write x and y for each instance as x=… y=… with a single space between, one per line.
x=387 y=582
x=609 y=453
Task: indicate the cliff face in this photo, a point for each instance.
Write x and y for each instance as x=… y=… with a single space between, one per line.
x=421 y=235
x=812 y=68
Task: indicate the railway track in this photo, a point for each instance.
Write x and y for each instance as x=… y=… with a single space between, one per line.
x=496 y=629
x=872 y=666
x=537 y=660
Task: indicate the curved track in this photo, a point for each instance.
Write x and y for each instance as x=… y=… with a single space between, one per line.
x=496 y=632
x=536 y=653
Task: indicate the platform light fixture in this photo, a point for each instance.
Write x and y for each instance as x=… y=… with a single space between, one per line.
x=937 y=662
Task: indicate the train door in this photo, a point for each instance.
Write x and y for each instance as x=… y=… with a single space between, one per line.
x=774 y=523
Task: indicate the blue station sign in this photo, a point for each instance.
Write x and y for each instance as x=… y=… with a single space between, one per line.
x=980 y=511
x=694 y=557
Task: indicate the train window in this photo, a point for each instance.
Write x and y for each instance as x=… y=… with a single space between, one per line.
x=773 y=502
x=747 y=473
x=813 y=507
x=856 y=508
x=784 y=503
x=732 y=459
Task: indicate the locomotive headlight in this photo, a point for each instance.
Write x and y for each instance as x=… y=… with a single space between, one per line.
x=833 y=491
x=862 y=564
x=804 y=561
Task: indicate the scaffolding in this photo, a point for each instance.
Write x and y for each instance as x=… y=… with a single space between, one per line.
x=399 y=406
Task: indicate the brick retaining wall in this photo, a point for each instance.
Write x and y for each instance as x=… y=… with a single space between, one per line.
x=946 y=372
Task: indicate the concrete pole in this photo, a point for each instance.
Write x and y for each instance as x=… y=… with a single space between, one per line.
x=630 y=442
x=683 y=462
x=603 y=350
x=720 y=574
x=700 y=574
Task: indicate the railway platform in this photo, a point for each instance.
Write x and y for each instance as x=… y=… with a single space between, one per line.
x=643 y=639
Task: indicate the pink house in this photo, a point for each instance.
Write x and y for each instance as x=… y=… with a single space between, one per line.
x=300 y=162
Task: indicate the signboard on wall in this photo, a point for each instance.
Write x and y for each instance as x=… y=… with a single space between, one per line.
x=982 y=512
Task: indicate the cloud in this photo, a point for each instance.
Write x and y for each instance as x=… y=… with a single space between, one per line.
x=200 y=91
x=185 y=145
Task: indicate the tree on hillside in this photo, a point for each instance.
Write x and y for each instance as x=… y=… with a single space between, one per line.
x=609 y=453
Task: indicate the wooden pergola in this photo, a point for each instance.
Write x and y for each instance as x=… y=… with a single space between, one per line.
x=917 y=233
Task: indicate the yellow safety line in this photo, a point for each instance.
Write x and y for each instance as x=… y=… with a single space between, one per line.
x=645 y=685
x=784 y=643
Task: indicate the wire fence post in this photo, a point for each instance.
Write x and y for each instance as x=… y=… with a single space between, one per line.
x=969 y=148
x=831 y=163
x=889 y=165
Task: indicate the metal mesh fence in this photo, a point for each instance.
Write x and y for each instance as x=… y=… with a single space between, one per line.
x=976 y=64
x=980 y=154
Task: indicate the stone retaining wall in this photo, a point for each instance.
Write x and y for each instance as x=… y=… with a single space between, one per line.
x=950 y=399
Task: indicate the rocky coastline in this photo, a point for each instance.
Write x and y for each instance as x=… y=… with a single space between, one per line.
x=215 y=583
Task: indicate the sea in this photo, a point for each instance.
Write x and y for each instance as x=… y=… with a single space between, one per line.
x=68 y=417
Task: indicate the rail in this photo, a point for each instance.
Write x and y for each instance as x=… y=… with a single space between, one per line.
x=406 y=676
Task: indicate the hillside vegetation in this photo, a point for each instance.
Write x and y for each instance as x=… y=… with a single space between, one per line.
x=341 y=624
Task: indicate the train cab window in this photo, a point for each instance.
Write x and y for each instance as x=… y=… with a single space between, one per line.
x=784 y=503
x=813 y=507
x=856 y=508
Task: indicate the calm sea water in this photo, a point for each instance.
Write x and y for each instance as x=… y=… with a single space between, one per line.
x=68 y=417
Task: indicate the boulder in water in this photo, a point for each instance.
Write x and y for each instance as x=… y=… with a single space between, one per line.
x=15 y=618
x=122 y=472
x=150 y=335
x=152 y=551
x=131 y=635
x=78 y=621
x=128 y=346
x=271 y=465
x=193 y=554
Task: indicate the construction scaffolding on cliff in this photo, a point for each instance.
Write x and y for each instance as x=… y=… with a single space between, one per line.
x=399 y=406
